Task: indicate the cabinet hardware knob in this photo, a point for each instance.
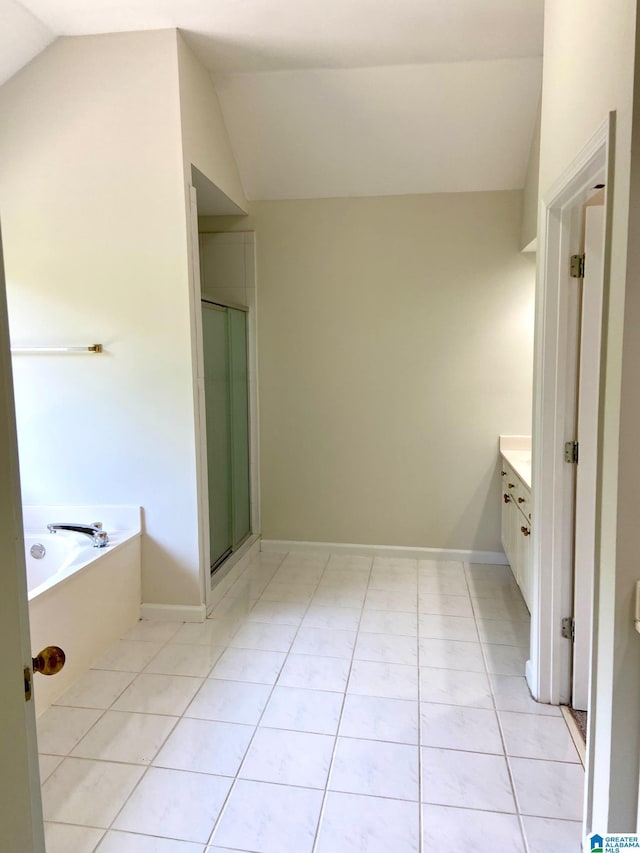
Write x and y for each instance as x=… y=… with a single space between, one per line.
x=511 y=485
x=525 y=531
x=503 y=473
x=520 y=500
x=507 y=499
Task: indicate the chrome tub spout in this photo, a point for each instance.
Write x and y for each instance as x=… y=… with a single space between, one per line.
x=94 y=531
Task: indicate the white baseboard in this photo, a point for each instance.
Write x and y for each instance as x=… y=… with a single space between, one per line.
x=173 y=612
x=231 y=570
x=529 y=674
x=495 y=558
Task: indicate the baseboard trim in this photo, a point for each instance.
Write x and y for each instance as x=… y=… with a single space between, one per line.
x=496 y=558
x=574 y=731
x=173 y=612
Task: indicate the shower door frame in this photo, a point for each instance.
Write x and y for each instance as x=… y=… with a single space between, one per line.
x=223 y=305
x=215 y=582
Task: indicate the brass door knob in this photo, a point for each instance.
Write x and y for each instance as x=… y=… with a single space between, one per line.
x=525 y=531
x=49 y=661
x=511 y=485
x=507 y=499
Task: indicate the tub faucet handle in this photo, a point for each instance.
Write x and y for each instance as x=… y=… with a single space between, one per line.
x=100 y=539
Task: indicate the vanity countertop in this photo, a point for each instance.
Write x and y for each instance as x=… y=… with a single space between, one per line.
x=516 y=450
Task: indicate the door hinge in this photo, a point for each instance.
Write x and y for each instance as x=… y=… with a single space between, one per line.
x=576 y=267
x=27 y=683
x=571 y=452
x=568 y=628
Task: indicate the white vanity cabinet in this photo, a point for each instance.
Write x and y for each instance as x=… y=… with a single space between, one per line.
x=516 y=527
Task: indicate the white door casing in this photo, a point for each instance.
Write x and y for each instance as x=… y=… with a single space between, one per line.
x=21 y=826
x=549 y=669
x=554 y=417
x=198 y=395
x=587 y=435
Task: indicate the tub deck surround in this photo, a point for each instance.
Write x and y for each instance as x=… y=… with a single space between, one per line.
x=516 y=449
x=330 y=704
x=91 y=600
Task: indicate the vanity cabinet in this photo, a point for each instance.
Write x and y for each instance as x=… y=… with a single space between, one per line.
x=516 y=527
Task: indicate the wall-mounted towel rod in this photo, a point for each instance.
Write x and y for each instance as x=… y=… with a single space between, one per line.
x=93 y=348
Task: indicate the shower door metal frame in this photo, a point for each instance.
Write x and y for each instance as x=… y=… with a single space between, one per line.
x=208 y=597
x=220 y=305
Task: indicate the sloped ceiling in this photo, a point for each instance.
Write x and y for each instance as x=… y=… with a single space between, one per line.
x=446 y=127
x=22 y=36
x=343 y=97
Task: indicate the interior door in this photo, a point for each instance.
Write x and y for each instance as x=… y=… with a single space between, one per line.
x=588 y=401
x=20 y=804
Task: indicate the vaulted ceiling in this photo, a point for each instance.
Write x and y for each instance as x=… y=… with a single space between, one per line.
x=343 y=97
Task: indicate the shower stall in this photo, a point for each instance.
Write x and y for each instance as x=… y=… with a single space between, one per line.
x=226 y=391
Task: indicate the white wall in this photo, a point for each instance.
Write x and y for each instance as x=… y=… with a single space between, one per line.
x=395 y=341
x=588 y=71
x=204 y=135
x=93 y=212
x=531 y=191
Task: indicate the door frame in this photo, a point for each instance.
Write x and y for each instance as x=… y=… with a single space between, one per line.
x=587 y=436
x=554 y=422
x=196 y=297
x=554 y=414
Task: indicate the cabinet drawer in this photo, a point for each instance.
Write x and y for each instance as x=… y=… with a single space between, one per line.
x=513 y=486
x=522 y=498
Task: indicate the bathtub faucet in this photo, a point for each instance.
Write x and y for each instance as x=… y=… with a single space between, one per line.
x=100 y=537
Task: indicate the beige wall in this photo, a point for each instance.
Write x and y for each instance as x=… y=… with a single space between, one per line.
x=395 y=340
x=204 y=134
x=92 y=206
x=531 y=192
x=588 y=70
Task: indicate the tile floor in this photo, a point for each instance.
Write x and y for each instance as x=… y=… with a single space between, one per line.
x=331 y=705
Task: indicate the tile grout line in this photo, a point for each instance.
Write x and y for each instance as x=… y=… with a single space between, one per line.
x=179 y=718
x=239 y=623
x=102 y=714
x=325 y=794
x=516 y=802
x=273 y=687
x=104 y=711
x=421 y=827
x=150 y=765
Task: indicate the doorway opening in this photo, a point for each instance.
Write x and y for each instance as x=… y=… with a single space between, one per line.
x=570 y=302
x=224 y=333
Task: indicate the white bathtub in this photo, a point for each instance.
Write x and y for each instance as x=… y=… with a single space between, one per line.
x=81 y=598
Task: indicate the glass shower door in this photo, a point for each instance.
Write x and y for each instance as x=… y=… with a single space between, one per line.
x=239 y=433
x=224 y=334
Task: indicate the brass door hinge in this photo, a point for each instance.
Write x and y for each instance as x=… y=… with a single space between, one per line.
x=571 y=452
x=576 y=267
